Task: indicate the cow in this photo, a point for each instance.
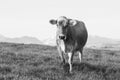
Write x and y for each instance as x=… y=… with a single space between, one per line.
x=71 y=37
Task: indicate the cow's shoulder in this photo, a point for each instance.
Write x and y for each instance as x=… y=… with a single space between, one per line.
x=74 y=22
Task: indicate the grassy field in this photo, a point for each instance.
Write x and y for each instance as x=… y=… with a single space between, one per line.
x=40 y=62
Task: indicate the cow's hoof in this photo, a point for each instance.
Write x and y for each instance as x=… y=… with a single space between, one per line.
x=70 y=72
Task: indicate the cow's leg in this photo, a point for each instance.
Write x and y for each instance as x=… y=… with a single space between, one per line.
x=70 y=58
x=80 y=54
x=61 y=53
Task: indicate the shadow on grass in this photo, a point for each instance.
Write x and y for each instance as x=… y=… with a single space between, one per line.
x=107 y=72
x=86 y=67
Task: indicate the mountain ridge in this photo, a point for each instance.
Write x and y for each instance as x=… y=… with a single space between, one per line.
x=93 y=41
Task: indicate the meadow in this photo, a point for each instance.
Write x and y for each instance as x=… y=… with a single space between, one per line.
x=42 y=62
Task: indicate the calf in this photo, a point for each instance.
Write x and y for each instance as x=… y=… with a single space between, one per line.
x=71 y=38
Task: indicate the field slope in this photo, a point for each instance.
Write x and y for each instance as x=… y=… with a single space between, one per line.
x=40 y=62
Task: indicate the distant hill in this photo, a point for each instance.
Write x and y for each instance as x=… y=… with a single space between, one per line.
x=101 y=42
x=24 y=39
x=93 y=41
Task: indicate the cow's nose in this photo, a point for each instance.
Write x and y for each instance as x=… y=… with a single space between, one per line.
x=62 y=37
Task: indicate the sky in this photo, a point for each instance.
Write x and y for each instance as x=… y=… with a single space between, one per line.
x=31 y=17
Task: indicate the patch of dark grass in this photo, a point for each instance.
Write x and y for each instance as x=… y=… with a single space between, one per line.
x=97 y=56
x=5 y=69
x=86 y=67
x=2 y=78
x=112 y=53
x=35 y=63
x=46 y=73
x=114 y=61
x=35 y=72
x=47 y=59
x=7 y=54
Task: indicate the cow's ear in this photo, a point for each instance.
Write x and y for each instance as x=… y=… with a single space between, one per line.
x=72 y=22
x=53 y=22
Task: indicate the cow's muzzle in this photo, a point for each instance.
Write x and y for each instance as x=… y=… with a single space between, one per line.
x=62 y=37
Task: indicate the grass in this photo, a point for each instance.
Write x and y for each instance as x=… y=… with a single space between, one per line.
x=40 y=62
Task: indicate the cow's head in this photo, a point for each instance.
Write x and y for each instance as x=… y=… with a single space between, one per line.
x=63 y=25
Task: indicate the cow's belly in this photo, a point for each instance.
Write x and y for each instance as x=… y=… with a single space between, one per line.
x=69 y=48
